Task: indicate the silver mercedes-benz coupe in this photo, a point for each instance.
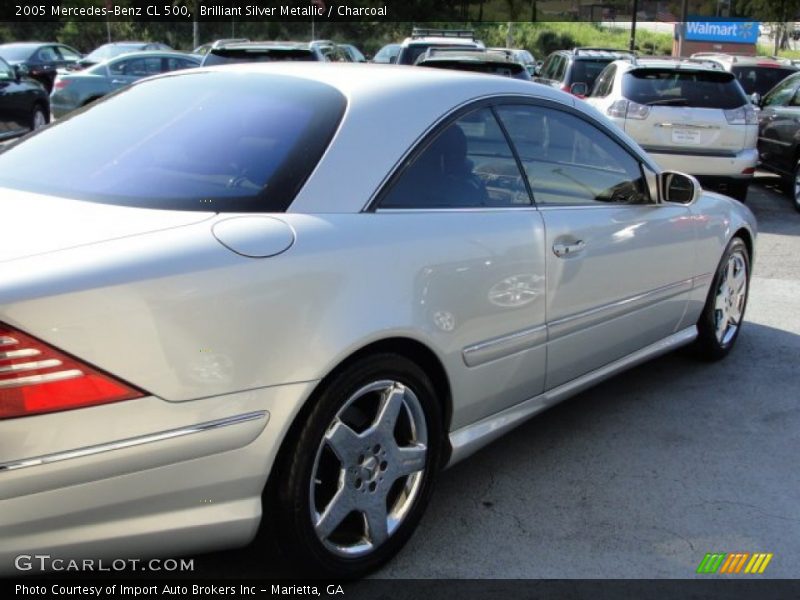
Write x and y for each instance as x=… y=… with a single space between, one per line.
x=296 y=292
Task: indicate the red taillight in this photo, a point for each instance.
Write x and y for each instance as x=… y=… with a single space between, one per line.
x=565 y=88
x=36 y=378
x=749 y=171
x=59 y=84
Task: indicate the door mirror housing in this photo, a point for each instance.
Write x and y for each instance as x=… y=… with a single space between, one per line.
x=678 y=188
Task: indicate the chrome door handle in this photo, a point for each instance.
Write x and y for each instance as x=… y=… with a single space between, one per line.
x=561 y=249
x=118 y=81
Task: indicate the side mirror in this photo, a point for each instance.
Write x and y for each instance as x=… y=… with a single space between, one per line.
x=579 y=88
x=678 y=187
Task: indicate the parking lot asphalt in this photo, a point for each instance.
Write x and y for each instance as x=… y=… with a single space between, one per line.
x=638 y=477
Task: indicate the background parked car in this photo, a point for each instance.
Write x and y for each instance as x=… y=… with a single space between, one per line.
x=756 y=74
x=522 y=56
x=203 y=49
x=779 y=134
x=565 y=68
x=475 y=61
x=269 y=51
x=40 y=60
x=387 y=54
x=108 y=51
x=690 y=115
x=355 y=54
x=422 y=39
x=73 y=90
x=24 y=104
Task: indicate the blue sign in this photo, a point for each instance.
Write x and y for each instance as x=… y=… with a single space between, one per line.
x=737 y=32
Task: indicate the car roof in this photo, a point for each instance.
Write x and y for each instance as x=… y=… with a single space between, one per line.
x=416 y=98
x=592 y=52
x=472 y=56
x=667 y=62
x=271 y=44
x=744 y=59
x=151 y=53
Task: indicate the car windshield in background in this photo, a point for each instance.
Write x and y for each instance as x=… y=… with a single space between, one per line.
x=223 y=56
x=505 y=69
x=672 y=87
x=760 y=79
x=209 y=141
x=17 y=51
x=588 y=70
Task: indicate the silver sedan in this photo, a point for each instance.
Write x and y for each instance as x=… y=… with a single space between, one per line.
x=297 y=292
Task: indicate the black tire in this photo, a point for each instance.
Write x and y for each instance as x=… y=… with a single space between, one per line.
x=738 y=190
x=792 y=186
x=296 y=493
x=39 y=117
x=709 y=344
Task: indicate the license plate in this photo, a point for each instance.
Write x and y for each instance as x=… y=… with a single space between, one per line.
x=685 y=136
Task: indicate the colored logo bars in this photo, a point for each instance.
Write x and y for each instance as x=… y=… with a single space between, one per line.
x=734 y=562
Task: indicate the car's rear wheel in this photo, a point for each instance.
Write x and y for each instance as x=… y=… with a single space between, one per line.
x=794 y=187
x=362 y=470
x=38 y=118
x=722 y=316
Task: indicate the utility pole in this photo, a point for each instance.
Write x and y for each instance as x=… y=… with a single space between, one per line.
x=195 y=25
x=682 y=31
x=633 y=25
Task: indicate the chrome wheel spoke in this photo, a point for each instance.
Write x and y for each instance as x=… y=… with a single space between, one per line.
x=341 y=505
x=410 y=459
x=343 y=441
x=722 y=324
x=389 y=408
x=376 y=520
x=739 y=282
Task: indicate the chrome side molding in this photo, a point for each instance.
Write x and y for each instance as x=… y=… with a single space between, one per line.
x=468 y=439
x=132 y=442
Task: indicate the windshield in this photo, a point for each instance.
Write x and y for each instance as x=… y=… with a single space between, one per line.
x=673 y=87
x=760 y=79
x=17 y=51
x=386 y=53
x=588 y=70
x=200 y=141
x=222 y=56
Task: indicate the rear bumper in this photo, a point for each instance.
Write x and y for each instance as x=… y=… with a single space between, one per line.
x=699 y=165
x=148 y=478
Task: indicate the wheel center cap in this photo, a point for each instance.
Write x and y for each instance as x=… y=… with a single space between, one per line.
x=370 y=468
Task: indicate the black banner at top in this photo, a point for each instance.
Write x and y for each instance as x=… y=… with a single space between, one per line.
x=370 y=10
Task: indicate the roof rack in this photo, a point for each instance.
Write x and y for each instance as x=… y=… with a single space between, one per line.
x=581 y=49
x=680 y=59
x=419 y=32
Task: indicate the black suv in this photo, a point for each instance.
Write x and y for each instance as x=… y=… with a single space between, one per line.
x=563 y=69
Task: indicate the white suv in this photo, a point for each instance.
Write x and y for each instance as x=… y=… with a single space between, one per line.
x=689 y=115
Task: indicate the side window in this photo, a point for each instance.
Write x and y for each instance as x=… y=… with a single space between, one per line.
x=468 y=164
x=46 y=55
x=136 y=67
x=560 y=68
x=6 y=72
x=781 y=94
x=568 y=161
x=175 y=64
x=605 y=82
x=67 y=53
x=547 y=67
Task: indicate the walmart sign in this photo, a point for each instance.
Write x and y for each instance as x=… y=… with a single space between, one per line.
x=739 y=32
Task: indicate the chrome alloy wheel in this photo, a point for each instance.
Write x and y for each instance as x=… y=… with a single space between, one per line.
x=369 y=468
x=731 y=298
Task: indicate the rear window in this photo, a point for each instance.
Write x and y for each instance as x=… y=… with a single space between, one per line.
x=15 y=52
x=410 y=54
x=215 y=141
x=504 y=69
x=588 y=70
x=223 y=56
x=760 y=79
x=672 y=87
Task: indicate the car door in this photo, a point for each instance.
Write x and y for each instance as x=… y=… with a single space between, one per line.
x=778 y=125
x=16 y=102
x=618 y=263
x=480 y=293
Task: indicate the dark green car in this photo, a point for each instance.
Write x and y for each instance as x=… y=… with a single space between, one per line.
x=73 y=90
